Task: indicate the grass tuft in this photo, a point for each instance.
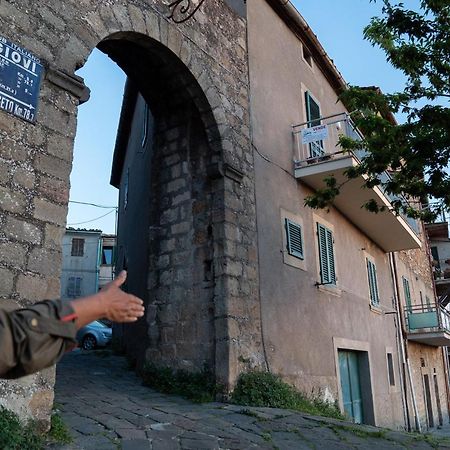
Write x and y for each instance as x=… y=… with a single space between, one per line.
x=59 y=432
x=266 y=389
x=15 y=435
x=199 y=387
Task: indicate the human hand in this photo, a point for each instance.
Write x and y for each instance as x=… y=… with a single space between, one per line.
x=118 y=305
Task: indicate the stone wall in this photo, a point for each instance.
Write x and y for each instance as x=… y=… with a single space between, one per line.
x=36 y=159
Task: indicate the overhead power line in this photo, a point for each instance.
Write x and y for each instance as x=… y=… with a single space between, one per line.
x=92 y=204
x=93 y=220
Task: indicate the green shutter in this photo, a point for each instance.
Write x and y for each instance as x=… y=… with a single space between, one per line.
x=326 y=255
x=373 y=283
x=407 y=292
x=294 y=239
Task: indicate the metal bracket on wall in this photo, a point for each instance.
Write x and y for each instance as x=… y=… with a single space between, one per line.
x=183 y=10
x=70 y=83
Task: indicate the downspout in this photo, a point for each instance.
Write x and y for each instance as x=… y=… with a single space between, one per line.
x=404 y=347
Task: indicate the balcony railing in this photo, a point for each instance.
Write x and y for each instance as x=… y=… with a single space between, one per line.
x=428 y=324
x=319 y=155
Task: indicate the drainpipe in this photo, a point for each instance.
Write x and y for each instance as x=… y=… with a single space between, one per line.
x=404 y=348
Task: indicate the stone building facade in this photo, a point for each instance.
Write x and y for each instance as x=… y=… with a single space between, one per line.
x=222 y=285
x=204 y=64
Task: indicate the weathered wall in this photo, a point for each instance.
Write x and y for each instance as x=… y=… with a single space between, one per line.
x=36 y=159
x=304 y=326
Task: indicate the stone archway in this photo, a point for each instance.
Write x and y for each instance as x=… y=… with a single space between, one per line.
x=38 y=158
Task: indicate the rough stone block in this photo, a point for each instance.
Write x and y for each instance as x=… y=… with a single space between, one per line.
x=53 y=166
x=24 y=177
x=44 y=262
x=22 y=231
x=53 y=236
x=31 y=287
x=13 y=150
x=12 y=253
x=60 y=146
x=6 y=282
x=49 y=212
x=53 y=189
x=14 y=202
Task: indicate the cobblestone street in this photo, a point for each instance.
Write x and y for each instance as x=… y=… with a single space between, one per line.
x=106 y=407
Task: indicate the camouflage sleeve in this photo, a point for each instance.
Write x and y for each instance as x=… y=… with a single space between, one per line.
x=36 y=337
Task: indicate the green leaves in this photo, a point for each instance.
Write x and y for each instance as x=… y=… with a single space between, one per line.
x=415 y=153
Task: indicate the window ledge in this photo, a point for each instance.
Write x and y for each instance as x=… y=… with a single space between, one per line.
x=330 y=289
x=376 y=309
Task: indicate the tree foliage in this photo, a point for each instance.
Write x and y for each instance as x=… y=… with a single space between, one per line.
x=415 y=153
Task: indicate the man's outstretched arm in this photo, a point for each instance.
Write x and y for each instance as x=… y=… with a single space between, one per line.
x=36 y=337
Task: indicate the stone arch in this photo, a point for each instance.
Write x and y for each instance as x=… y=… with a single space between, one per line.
x=36 y=160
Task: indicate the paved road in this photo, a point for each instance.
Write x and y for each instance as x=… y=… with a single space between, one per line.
x=107 y=408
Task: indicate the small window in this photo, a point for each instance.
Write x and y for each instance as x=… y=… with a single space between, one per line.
x=313 y=117
x=307 y=56
x=435 y=256
x=294 y=239
x=125 y=189
x=390 y=364
x=77 y=247
x=407 y=292
x=326 y=255
x=373 y=283
x=107 y=255
x=74 y=287
x=145 y=125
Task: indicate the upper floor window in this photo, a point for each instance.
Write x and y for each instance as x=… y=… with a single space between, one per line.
x=307 y=56
x=313 y=117
x=373 y=282
x=294 y=238
x=107 y=255
x=326 y=255
x=77 y=247
x=407 y=292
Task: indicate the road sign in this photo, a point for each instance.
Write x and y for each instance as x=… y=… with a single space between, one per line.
x=20 y=79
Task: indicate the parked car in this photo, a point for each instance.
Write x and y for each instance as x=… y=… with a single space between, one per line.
x=93 y=335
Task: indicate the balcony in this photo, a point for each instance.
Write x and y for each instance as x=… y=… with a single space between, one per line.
x=428 y=324
x=319 y=156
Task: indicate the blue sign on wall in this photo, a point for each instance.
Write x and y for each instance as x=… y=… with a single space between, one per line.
x=20 y=78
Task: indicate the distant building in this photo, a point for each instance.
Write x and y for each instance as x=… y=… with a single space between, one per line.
x=87 y=263
x=440 y=253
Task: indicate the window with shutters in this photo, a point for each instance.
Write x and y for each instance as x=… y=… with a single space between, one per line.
x=373 y=283
x=313 y=117
x=294 y=239
x=77 y=247
x=74 y=287
x=326 y=255
x=407 y=292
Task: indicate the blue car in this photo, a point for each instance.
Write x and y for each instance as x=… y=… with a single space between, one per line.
x=93 y=335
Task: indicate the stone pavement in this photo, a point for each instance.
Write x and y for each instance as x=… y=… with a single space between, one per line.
x=107 y=408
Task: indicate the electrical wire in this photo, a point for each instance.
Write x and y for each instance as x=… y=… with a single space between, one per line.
x=92 y=220
x=92 y=204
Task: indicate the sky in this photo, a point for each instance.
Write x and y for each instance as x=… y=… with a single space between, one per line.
x=339 y=26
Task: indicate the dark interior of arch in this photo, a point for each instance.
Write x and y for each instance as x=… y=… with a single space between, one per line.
x=166 y=234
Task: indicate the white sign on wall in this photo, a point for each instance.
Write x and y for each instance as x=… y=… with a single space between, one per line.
x=314 y=134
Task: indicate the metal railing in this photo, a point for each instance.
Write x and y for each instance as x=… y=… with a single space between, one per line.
x=328 y=130
x=430 y=317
